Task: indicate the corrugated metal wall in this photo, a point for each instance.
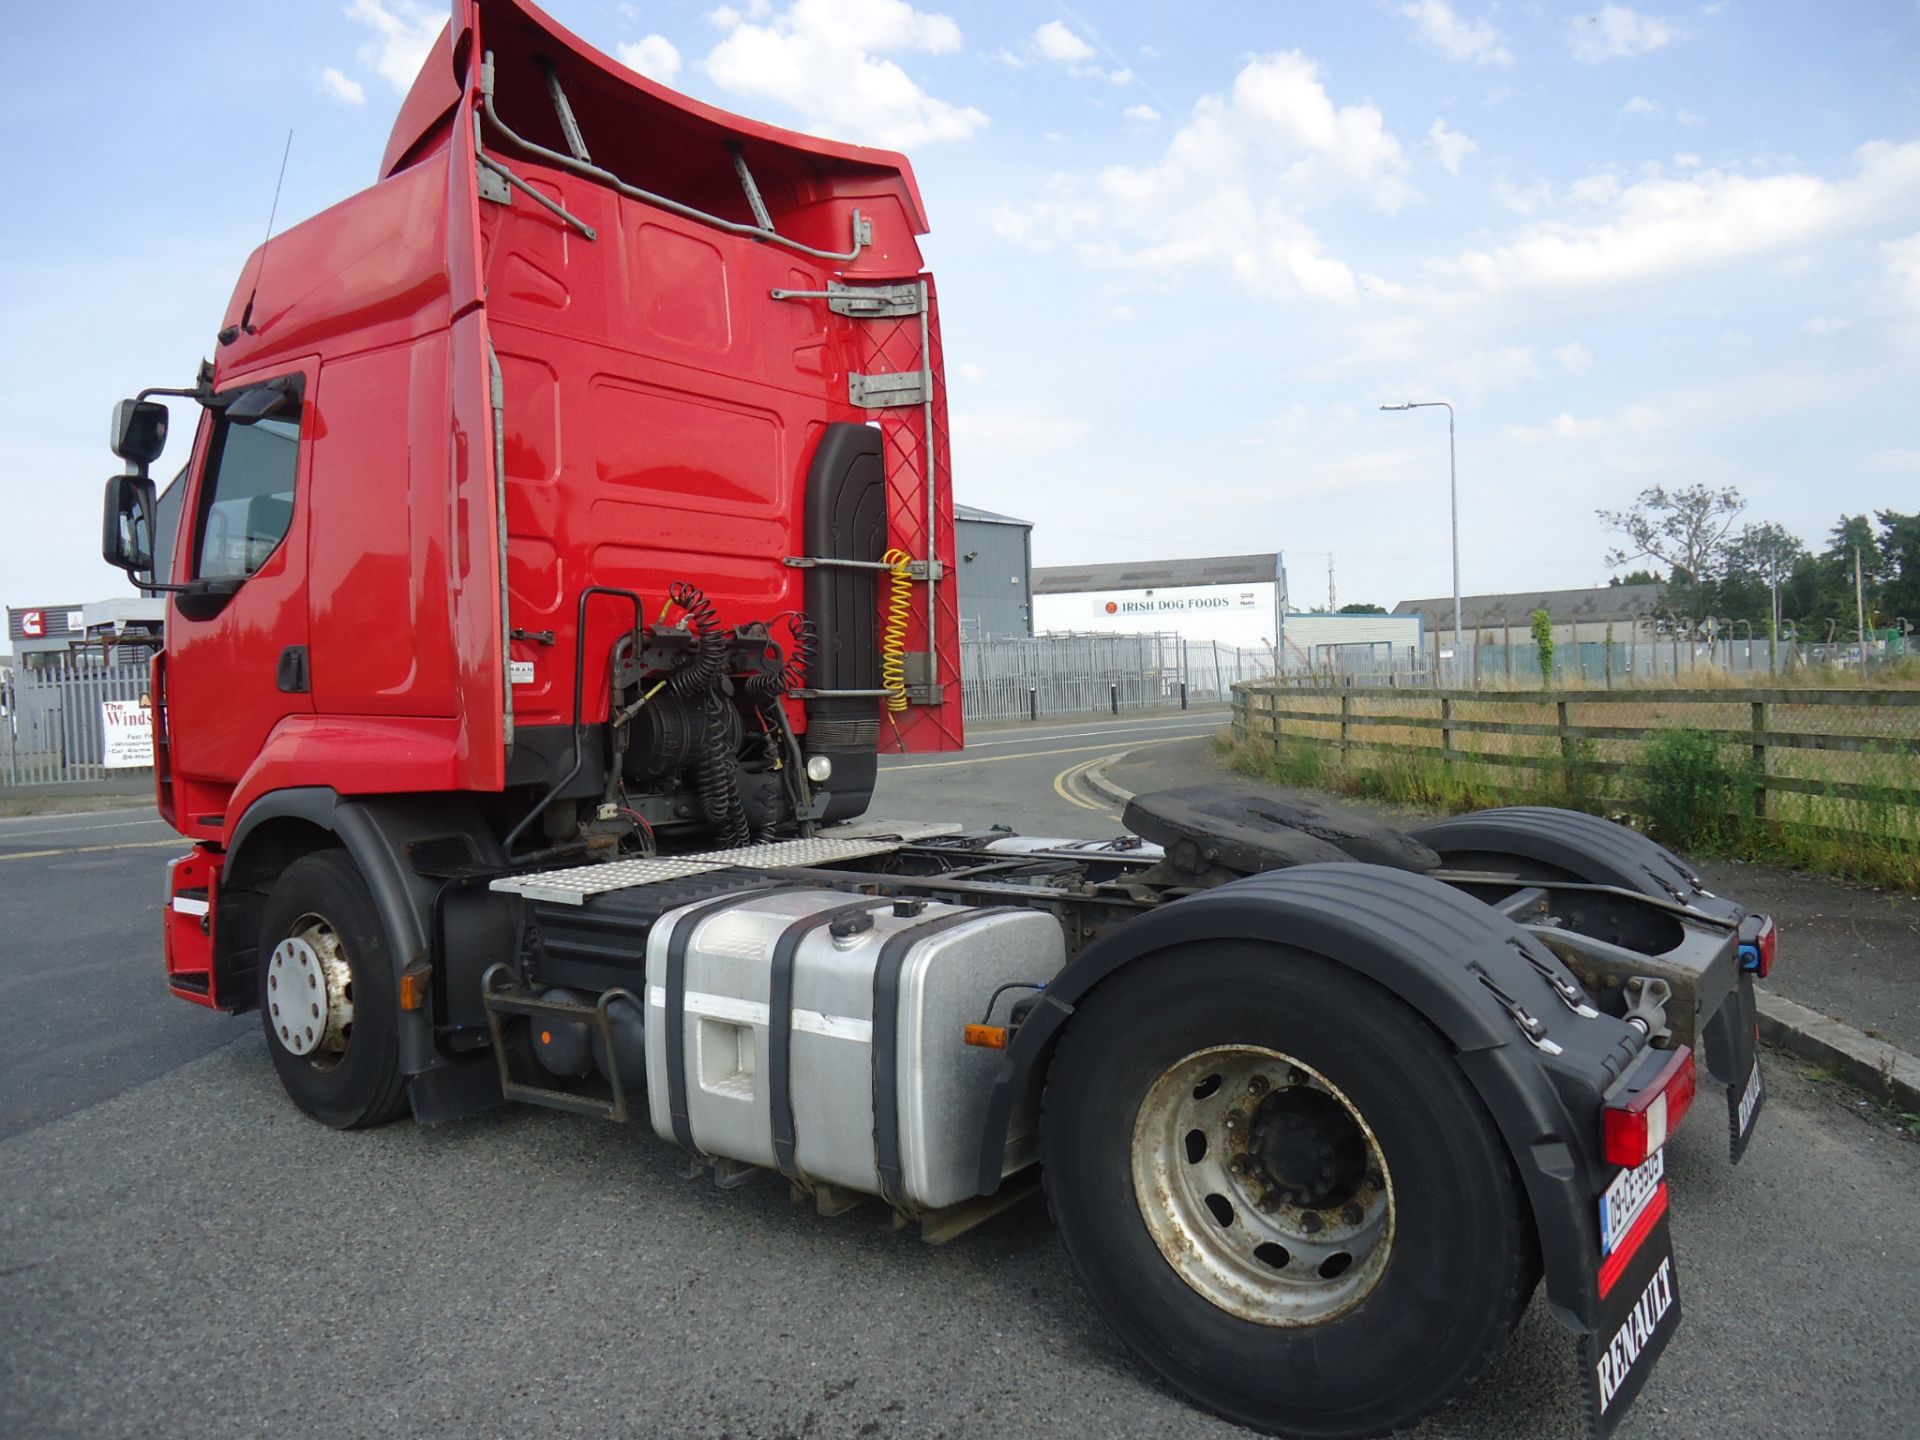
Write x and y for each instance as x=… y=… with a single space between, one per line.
x=996 y=585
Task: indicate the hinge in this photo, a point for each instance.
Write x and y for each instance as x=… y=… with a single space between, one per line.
x=861 y=302
x=493 y=186
x=922 y=687
x=884 y=392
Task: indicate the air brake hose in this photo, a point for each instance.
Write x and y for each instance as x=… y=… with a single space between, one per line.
x=893 y=640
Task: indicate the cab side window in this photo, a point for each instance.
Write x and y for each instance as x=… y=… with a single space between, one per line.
x=247 y=503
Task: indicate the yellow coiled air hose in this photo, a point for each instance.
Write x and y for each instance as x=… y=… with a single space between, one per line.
x=893 y=640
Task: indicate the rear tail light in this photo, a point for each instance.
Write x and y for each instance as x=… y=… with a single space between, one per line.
x=1635 y=1126
x=1757 y=947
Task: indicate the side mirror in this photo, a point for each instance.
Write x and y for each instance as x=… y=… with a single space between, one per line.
x=126 y=533
x=139 y=431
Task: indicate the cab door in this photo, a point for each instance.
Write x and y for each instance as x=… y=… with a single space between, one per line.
x=237 y=641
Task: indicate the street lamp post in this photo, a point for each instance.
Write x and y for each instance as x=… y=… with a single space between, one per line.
x=1453 y=496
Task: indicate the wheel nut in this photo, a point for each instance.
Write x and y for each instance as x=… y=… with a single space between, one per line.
x=1353 y=1214
x=1258 y=1085
x=1238 y=1165
x=1235 y=1120
x=1310 y=1223
x=1295 y=1075
x=1270 y=1200
x=1375 y=1179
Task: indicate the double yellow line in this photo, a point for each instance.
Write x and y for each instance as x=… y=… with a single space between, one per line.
x=1071 y=785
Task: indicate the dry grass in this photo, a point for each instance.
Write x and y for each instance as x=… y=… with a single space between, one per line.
x=1855 y=813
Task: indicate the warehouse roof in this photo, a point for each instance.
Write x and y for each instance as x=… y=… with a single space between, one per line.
x=1155 y=574
x=987 y=517
x=1483 y=612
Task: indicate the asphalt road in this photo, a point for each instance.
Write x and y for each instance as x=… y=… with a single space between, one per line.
x=181 y=1254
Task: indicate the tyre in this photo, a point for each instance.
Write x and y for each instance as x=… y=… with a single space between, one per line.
x=1279 y=1189
x=327 y=996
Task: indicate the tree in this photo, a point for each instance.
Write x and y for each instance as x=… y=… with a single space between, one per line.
x=1683 y=529
x=1636 y=577
x=1543 y=641
x=1759 y=558
x=1362 y=610
x=1900 y=557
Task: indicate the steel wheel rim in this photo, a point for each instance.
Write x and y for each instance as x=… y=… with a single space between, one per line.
x=1234 y=1228
x=310 y=994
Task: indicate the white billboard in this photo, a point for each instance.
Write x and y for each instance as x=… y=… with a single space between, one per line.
x=1241 y=614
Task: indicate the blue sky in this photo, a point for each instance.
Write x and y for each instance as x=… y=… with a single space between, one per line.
x=1184 y=251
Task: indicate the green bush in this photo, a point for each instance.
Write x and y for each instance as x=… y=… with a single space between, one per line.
x=1696 y=793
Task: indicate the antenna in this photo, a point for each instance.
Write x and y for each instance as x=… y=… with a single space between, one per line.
x=232 y=332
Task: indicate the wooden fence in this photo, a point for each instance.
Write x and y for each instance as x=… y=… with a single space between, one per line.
x=1860 y=744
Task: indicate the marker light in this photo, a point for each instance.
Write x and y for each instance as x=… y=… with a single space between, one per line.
x=819 y=769
x=1757 y=946
x=1631 y=1129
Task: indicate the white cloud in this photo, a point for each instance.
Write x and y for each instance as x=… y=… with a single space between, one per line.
x=1574 y=358
x=337 y=86
x=1056 y=42
x=1144 y=114
x=1686 y=160
x=1230 y=190
x=1122 y=314
x=1824 y=325
x=1474 y=41
x=827 y=60
x=1641 y=105
x=403 y=31
x=1617 y=32
x=1687 y=117
x=1452 y=145
x=1120 y=77
x=654 y=56
x=1903 y=267
x=1529 y=199
x=1595 y=189
x=1661 y=227
x=1025 y=431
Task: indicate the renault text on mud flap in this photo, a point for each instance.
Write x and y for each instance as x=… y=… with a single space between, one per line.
x=1641 y=1325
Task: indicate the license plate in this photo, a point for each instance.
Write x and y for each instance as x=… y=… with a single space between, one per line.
x=1628 y=1196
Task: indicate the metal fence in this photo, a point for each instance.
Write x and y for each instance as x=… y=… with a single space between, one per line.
x=1026 y=677
x=55 y=728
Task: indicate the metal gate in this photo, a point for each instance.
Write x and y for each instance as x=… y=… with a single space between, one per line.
x=55 y=725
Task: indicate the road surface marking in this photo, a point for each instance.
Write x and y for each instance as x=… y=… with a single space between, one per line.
x=179 y=842
x=1074 y=776
x=1199 y=721
x=1031 y=754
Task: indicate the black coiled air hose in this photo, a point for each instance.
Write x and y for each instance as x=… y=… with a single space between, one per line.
x=716 y=778
x=709 y=655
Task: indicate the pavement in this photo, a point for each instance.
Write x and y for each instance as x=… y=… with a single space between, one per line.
x=182 y=1254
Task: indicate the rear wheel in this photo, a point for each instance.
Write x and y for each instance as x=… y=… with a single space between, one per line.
x=1277 y=1186
x=327 y=994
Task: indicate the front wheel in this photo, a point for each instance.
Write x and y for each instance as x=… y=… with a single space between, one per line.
x=327 y=994
x=1278 y=1187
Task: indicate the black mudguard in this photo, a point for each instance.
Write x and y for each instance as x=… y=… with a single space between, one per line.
x=1451 y=959
x=381 y=833
x=1600 y=852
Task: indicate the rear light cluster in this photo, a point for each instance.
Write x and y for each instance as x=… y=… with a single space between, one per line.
x=1635 y=1126
x=1757 y=943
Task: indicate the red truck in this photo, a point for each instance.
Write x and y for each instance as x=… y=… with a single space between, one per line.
x=569 y=527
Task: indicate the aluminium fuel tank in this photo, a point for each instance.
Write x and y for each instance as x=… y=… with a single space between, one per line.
x=819 y=1033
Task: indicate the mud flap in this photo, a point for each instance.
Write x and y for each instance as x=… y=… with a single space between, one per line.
x=1639 y=1311
x=1732 y=1045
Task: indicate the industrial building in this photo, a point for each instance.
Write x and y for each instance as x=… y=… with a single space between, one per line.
x=1579 y=616
x=995 y=561
x=1237 y=600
